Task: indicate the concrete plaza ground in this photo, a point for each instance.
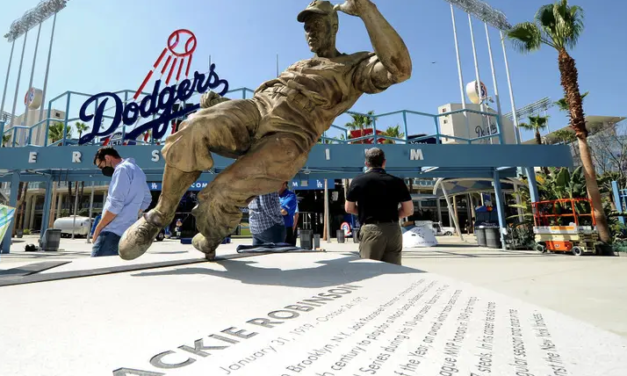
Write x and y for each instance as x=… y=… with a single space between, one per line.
x=589 y=288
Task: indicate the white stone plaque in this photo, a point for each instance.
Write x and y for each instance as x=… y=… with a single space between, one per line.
x=290 y=315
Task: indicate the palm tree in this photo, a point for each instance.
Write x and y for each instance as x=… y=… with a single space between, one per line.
x=536 y=124
x=80 y=128
x=393 y=132
x=360 y=122
x=5 y=139
x=564 y=136
x=563 y=103
x=559 y=26
x=55 y=132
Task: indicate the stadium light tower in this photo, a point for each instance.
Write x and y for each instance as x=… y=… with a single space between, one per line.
x=498 y=20
x=32 y=18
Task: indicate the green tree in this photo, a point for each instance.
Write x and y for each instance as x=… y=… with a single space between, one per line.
x=563 y=136
x=80 y=128
x=360 y=122
x=55 y=132
x=393 y=132
x=536 y=124
x=559 y=26
x=5 y=139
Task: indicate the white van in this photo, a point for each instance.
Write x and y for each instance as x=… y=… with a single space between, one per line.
x=82 y=226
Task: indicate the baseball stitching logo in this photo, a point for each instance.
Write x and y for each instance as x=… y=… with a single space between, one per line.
x=171 y=51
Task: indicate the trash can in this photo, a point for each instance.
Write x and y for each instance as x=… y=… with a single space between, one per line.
x=493 y=237
x=340 y=236
x=51 y=240
x=316 y=241
x=305 y=239
x=480 y=234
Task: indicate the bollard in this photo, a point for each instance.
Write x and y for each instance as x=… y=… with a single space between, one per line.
x=316 y=241
x=305 y=239
x=340 y=236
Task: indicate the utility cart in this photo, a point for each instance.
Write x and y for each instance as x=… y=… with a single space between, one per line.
x=565 y=225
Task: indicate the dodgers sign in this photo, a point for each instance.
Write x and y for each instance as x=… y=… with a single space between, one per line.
x=160 y=103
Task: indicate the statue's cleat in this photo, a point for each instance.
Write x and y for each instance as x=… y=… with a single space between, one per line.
x=203 y=245
x=137 y=239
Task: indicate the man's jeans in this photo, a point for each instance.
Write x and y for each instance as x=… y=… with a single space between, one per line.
x=275 y=234
x=106 y=245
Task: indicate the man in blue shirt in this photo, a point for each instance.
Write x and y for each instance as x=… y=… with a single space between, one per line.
x=265 y=220
x=288 y=208
x=128 y=196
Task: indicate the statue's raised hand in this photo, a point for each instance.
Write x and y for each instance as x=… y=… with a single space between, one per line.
x=210 y=99
x=355 y=8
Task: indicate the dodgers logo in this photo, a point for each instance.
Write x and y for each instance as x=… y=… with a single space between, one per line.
x=159 y=104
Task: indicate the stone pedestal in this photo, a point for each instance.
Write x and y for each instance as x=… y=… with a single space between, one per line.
x=287 y=315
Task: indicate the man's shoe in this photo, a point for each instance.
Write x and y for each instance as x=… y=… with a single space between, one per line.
x=203 y=245
x=137 y=239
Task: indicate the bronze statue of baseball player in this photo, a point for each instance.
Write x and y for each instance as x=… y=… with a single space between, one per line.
x=270 y=135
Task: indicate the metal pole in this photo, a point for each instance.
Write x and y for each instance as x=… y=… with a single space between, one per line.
x=533 y=187
x=450 y=210
x=327 y=222
x=459 y=71
x=91 y=210
x=6 y=82
x=469 y=211
x=19 y=76
x=5 y=246
x=48 y=201
x=32 y=74
x=67 y=116
x=437 y=204
x=405 y=126
x=500 y=208
x=455 y=212
x=518 y=202
x=496 y=86
x=511 y=92
x=75 y=207
x=43 y=95
x=478 y=83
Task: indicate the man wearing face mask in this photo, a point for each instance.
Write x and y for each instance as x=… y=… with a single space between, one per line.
x=127 y=198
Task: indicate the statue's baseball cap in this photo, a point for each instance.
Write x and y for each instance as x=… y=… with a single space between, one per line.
x=324 y=8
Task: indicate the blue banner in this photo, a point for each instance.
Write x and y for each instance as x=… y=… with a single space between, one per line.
x=296 y=185
x=311 y=184
x=197 y=186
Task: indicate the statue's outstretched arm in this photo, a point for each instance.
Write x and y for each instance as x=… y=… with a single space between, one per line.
x=395 y=63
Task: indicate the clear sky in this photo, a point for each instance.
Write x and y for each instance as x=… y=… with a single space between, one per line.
x=110 y=45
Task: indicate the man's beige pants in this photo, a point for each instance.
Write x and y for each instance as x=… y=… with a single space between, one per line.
x=381 y=242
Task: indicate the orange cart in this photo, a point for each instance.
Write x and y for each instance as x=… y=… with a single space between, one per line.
x=565 y=225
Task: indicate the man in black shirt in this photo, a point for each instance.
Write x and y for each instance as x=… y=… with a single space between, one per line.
x=375 y=197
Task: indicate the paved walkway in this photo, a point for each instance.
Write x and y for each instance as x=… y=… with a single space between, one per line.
x=590 y=288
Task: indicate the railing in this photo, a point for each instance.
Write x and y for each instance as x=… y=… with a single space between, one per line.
x=433 y=130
